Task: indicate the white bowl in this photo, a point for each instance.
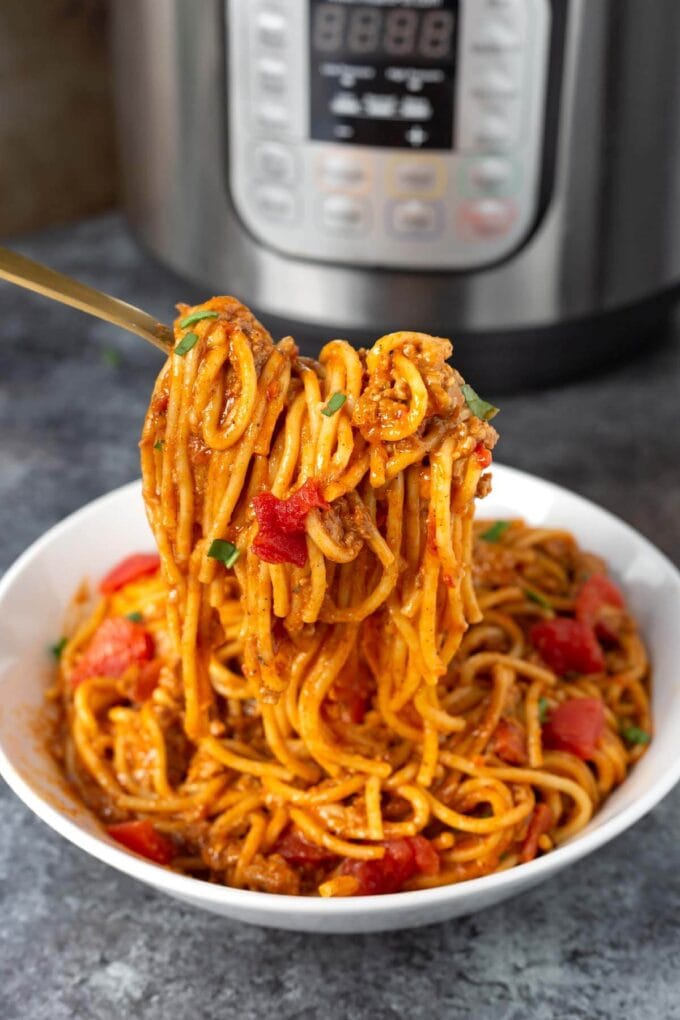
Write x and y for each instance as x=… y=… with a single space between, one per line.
x=33 y=598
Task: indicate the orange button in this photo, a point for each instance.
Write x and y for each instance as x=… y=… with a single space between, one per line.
x=416 y=176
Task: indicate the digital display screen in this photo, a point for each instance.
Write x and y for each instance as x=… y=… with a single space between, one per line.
x=397 y=33
x=382 y=72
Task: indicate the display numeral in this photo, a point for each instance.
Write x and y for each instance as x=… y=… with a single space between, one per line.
x=435 y=35
x=400 y=33
x=329 y=28
x=364 y=31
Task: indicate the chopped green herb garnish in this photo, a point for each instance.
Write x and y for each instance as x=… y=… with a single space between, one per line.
x=135 y=617
x=334 y=404
x=112 y=357
x=58 y=648
x=225 y=552
x=543 y=707
x=496 y=531
x=159 y=444
x=481 y=408
x=634 y=735
x=539 y=599
x=186 y=343
x=189 y=320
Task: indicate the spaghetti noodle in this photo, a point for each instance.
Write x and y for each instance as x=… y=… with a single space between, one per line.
x=318 y=688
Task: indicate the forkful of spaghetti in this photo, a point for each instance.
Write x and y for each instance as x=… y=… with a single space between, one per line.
x=337 y=494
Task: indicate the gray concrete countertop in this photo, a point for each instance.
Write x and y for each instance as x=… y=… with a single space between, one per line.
x=79 y=940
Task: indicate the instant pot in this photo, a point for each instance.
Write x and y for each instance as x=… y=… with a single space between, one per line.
x=503 y=172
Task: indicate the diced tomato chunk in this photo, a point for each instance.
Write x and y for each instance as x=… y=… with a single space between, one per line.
x=598 y=594
x=482 y=455
x=281 y=548
x=117 y=644
x=509 y=742
x=575 y=726
x=129 y=569
x=541 y=823
x=141 y=837
x=426 y=857
x=292 y=512
x=568 y=645
x=403 y=859
x=266 y=506
x=295 y=848
x=281 y=535
x=146 y=680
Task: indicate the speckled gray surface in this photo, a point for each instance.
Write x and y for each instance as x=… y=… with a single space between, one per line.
x=78 y=940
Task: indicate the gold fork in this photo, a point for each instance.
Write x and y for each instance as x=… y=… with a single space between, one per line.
x=33 y=276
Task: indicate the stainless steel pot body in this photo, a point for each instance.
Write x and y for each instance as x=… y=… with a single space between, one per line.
x=604 y=245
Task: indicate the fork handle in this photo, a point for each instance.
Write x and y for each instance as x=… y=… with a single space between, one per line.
x=24 y=272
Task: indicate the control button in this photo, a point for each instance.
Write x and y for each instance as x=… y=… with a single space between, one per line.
x=271 y=28
x=415 y=108
x=344 y=214
x=491 y=175
x=340 y=171
x=273 y=115
x=416 y=136
x=275 y=203
x=488 y=217
x=493 y=132
x=416 y=177
x=511 y=14
x=271 y=75
x=345 y=104
x=380 y=106
x=495 y=83
x=274 y=162
x=496 y=37
x=415 y=219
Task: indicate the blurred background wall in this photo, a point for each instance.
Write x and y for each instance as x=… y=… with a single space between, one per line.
x=56 y=116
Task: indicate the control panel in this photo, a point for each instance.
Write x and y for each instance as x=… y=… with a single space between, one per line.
x=395 y=134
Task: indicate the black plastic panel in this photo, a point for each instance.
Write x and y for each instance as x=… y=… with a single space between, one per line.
x=383 y=73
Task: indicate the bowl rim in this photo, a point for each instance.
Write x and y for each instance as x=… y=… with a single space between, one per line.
x=276 y=905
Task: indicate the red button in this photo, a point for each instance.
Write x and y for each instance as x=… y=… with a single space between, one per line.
x=488 y=217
